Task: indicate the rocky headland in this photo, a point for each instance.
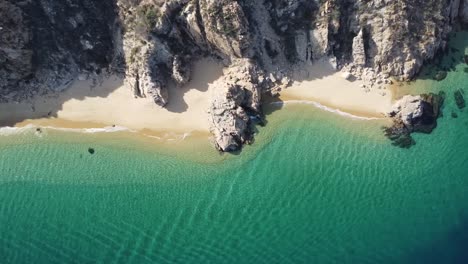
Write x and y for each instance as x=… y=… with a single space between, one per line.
x=46 y=45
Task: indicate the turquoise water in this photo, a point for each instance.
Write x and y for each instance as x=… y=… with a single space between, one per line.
x=314 y=188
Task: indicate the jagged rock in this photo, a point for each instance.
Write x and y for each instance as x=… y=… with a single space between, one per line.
x=236 y=98
x=46 y=44
x=154 y=43
x=226 y=27
x=413 y=114
x=181 y=70
x=359 y=55
x=145 y=76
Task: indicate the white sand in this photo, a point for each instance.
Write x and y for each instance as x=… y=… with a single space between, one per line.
x=112 y=103
x=323 y=84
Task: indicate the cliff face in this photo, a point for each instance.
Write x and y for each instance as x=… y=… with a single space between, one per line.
x=45 y=44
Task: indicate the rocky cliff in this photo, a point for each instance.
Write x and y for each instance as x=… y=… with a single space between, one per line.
x=46 y=44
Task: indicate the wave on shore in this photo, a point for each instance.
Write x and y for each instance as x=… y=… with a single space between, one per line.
x=325 y=108
x=8 y=131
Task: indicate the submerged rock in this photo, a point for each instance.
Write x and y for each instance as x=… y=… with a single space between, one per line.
x=459 y=98
x=440 y=75
x=91 y=150
x=414 y=114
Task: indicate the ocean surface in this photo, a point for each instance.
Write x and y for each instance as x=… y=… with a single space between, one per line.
x=316 y=187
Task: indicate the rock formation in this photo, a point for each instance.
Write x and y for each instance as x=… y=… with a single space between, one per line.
x=235 y=104
x=414 y=114
x=45 y=45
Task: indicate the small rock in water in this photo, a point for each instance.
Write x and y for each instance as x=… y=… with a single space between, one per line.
x=459 y=98
x=466 y=58
x=454 y=115
x=91 y=150
x=440 y=75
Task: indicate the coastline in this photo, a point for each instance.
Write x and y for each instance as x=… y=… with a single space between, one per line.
x=111 y=103
x=322 y=84
x=110 y=107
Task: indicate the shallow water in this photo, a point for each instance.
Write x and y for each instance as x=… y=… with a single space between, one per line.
x=316 y=187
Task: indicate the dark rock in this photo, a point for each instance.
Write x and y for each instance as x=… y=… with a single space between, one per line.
x=399 y=135
x=414 y=114
x=459 y=98
x=454 y=115
x=91 y=150
x=465 y=58
x=440 y=75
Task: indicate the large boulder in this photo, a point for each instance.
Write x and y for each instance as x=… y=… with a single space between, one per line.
x=236 y=101
x=414 y=114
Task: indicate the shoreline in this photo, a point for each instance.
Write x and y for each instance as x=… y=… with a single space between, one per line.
x=321 y=83
x=110 y=107
x=85 y=105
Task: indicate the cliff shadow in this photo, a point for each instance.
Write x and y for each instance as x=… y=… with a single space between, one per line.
x=451 y=59
x=77 y=53
x=204 y=73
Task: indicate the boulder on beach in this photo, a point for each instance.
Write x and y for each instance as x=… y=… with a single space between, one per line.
x=414 y=114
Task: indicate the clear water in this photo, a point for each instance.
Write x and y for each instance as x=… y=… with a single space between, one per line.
x=315 y=188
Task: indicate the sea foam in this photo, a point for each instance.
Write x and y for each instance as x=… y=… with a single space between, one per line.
x=325 y=108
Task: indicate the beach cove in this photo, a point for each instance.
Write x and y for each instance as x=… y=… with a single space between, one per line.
x=318 y=185
x=331 y=190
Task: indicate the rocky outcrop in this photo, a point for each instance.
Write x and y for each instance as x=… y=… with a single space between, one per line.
x=414 y=114
x=235 y=104
x=359 y=54
x=15 y=56
x=44 y=45
x=226 y=27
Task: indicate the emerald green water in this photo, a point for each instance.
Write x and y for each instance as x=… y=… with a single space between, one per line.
x=315 y=187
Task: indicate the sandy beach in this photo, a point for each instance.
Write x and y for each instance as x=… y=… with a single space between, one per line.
x=110 y=103
x=321 y=83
